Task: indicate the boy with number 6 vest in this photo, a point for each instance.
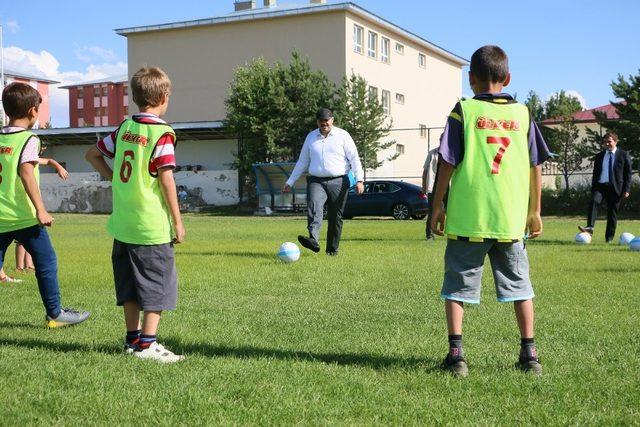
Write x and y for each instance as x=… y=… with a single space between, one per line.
x=146 y=221
x=492 y=152
x=23 y=216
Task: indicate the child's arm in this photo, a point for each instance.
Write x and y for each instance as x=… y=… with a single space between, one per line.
x=534 y=221
x=31 y=187
x=438 y=215
x=62 y=172
x=95 y=157
x=168 y=187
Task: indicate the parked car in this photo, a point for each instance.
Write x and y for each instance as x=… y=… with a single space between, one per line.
x=398 y=199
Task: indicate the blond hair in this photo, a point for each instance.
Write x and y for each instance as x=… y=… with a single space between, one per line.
x=148 y=86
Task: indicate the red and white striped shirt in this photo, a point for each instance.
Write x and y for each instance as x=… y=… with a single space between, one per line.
x=163 y=154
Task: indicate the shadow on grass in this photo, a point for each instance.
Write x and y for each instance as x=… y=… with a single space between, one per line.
x=366 y=360
x=234 y=254
x=11 y=325
x=60 y=346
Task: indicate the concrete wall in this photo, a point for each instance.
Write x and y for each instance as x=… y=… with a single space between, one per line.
x=201 y=60
x=87 y=193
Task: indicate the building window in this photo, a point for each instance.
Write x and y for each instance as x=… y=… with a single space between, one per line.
x=423 y=131
x=105 y=91
x=80 y=93
x=400 y=48
x=399 y=98
x=385 y=44
x=358 y=35
x=96 y=91
x=80 y=113
x=126 y=110
x=373 y=92
x=399 y=149
x=80 y=103
x=422 y=60
x=386 y=101
x=372 y=50
x=125 y=90
x=81 y=122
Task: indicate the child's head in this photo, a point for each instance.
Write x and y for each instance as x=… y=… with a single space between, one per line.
x=21 y=101
x=151 y=88
x=489 y=69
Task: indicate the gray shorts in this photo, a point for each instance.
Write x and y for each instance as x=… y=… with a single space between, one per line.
x=145 y=274
x=464 y=263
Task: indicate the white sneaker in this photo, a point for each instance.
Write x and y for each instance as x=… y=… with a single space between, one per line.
x=157 y=352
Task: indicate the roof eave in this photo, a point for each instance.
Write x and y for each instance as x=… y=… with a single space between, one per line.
x=347 y=6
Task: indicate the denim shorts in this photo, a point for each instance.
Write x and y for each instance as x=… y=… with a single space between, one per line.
x=464 y=264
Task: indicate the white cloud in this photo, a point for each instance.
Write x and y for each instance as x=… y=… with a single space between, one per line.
x=575 y=94
x=46 y=65
x=13 y=26
x=95 y=53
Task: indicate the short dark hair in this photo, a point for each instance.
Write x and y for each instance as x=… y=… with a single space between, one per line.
x=490 y=64
x=611 y=135
x=18 y=98
x=149 y=85
x=324 y=114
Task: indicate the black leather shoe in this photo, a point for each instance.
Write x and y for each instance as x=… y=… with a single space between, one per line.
x=309 y=243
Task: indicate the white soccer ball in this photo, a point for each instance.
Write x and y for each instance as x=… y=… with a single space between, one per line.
x=583 y=238
x=626 y=238
x=634 y=245
x=289 y=252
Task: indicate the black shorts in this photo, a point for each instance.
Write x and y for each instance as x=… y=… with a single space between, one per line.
x=145 y=274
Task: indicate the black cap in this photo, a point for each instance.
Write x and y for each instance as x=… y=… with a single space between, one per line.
x=324 y=114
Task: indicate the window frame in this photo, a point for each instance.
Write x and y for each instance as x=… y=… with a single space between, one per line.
x=387 y=109
x=385 y=58
x=358 y=45
x=422 y=60
x=372 y=53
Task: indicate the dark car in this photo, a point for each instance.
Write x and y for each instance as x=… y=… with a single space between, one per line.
x=398 y=199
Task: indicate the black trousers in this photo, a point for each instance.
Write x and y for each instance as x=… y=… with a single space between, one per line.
x=333 y=192
x=604 y=192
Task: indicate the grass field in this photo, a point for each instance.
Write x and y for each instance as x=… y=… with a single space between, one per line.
x=354 y=339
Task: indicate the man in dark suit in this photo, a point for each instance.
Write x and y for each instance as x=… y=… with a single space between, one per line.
x=611 y=181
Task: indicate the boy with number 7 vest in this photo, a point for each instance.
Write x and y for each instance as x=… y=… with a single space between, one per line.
x=145 y=221
x=491 y=152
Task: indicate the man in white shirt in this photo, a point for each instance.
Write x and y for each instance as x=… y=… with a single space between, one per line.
x=611 y=181
x=328 y=154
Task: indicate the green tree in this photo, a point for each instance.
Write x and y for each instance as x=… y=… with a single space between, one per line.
x=563 y=140
x=536 y=106
x=628 y=108
x=362 y=115
x=272 y=109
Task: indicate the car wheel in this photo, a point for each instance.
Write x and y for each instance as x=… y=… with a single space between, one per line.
x=418 y=216
x=400 y=211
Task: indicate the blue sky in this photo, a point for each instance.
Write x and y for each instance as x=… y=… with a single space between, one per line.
x=578 y=46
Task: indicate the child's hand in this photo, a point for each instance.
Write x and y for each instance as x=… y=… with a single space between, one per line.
x=44 y=218
x=62 y=173
x=438 y=219
x=534 y=225
x=180 y=233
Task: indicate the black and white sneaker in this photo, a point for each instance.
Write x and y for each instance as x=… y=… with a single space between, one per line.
x=456 y=365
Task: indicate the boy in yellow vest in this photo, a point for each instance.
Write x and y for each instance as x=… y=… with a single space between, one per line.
x=491 y=152
x=23 y=216
x=146 y=221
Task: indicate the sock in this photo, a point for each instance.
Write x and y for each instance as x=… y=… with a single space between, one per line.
x=133 y=337
x=455 y=346
x=146 y=341
x=528 y=349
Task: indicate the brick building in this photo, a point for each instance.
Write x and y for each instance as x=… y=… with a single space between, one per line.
x=98 y=103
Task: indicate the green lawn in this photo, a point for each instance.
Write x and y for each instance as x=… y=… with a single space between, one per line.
x=355 y=339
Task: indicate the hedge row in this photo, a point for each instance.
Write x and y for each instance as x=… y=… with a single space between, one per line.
x=575 y=202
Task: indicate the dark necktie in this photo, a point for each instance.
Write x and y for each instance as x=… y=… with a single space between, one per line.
x=610 y=166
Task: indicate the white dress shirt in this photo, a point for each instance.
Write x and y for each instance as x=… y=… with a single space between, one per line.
x=327 y=157
x=604 y=175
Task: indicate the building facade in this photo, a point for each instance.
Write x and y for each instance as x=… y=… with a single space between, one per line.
x=39 y=83
x=102 y=102
x=417 y=82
